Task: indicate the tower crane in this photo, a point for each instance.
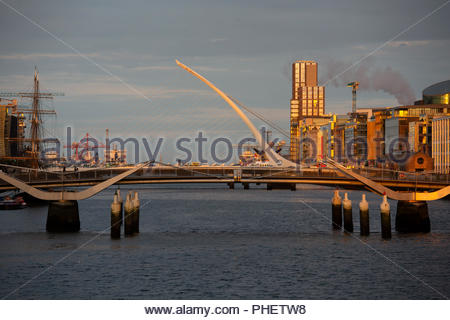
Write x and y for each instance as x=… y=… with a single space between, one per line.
x=355 y=86
x=84 y=153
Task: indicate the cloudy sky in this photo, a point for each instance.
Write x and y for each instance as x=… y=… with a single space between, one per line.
x=127 y=79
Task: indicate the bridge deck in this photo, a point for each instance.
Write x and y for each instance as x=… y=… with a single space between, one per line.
x=98 y=178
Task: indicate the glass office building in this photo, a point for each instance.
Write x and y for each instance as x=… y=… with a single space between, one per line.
x=437 y=93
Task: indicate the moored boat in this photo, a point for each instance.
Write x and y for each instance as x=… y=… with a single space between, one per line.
x=8 y=203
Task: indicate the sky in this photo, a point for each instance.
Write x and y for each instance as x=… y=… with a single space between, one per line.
x=115 y=60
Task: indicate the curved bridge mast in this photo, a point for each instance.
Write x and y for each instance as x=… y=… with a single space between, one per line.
x=274 y=158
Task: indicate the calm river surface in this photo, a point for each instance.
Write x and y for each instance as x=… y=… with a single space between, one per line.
x=208 y=242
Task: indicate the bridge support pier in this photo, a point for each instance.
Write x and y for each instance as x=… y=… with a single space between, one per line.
x=63 y=216
x=412 y=216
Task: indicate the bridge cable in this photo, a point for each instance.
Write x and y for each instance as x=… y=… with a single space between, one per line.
x=262 y=118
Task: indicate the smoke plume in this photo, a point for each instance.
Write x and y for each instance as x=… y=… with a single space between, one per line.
x=370 y=78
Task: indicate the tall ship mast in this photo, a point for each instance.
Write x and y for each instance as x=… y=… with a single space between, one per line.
x=19 y=146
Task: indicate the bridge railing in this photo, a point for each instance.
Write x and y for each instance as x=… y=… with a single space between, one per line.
x=39 y=176
x=29 y=175
x=387 y=174
x=89 y=175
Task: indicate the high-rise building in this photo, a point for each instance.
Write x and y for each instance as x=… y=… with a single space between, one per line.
x=308 y=100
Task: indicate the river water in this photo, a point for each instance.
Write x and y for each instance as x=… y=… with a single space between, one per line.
x=209 y=242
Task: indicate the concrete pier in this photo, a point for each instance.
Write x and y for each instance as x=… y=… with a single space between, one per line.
x=336 y=211
x=412 y=216
x=364 y=217
x=348 y=214
x=385 y=211
x=63 y=216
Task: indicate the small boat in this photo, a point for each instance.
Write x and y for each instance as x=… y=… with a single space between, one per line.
x=8 y=203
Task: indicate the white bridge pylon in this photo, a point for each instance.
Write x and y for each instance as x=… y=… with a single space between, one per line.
x=274 y=158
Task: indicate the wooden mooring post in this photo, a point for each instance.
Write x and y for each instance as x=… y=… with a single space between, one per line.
x=116 y=218
x=336 y=211
x=364 y=217
x=385 y=212
x=348 y=214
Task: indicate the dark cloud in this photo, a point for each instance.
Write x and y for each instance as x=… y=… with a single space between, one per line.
x=185 y=27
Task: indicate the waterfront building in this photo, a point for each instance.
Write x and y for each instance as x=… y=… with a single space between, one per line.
x=387 y=136
x=418 y=162
x=371 y=145
x=437 y=93
x=375 y=136
x=115 y=156
x=397 y=136
x=11 y=128
x=441 y=144
x=308 y=101
x=312 y=140
x=339 y=137
x=333 y=142
x=355 y=137
x=419 y=135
